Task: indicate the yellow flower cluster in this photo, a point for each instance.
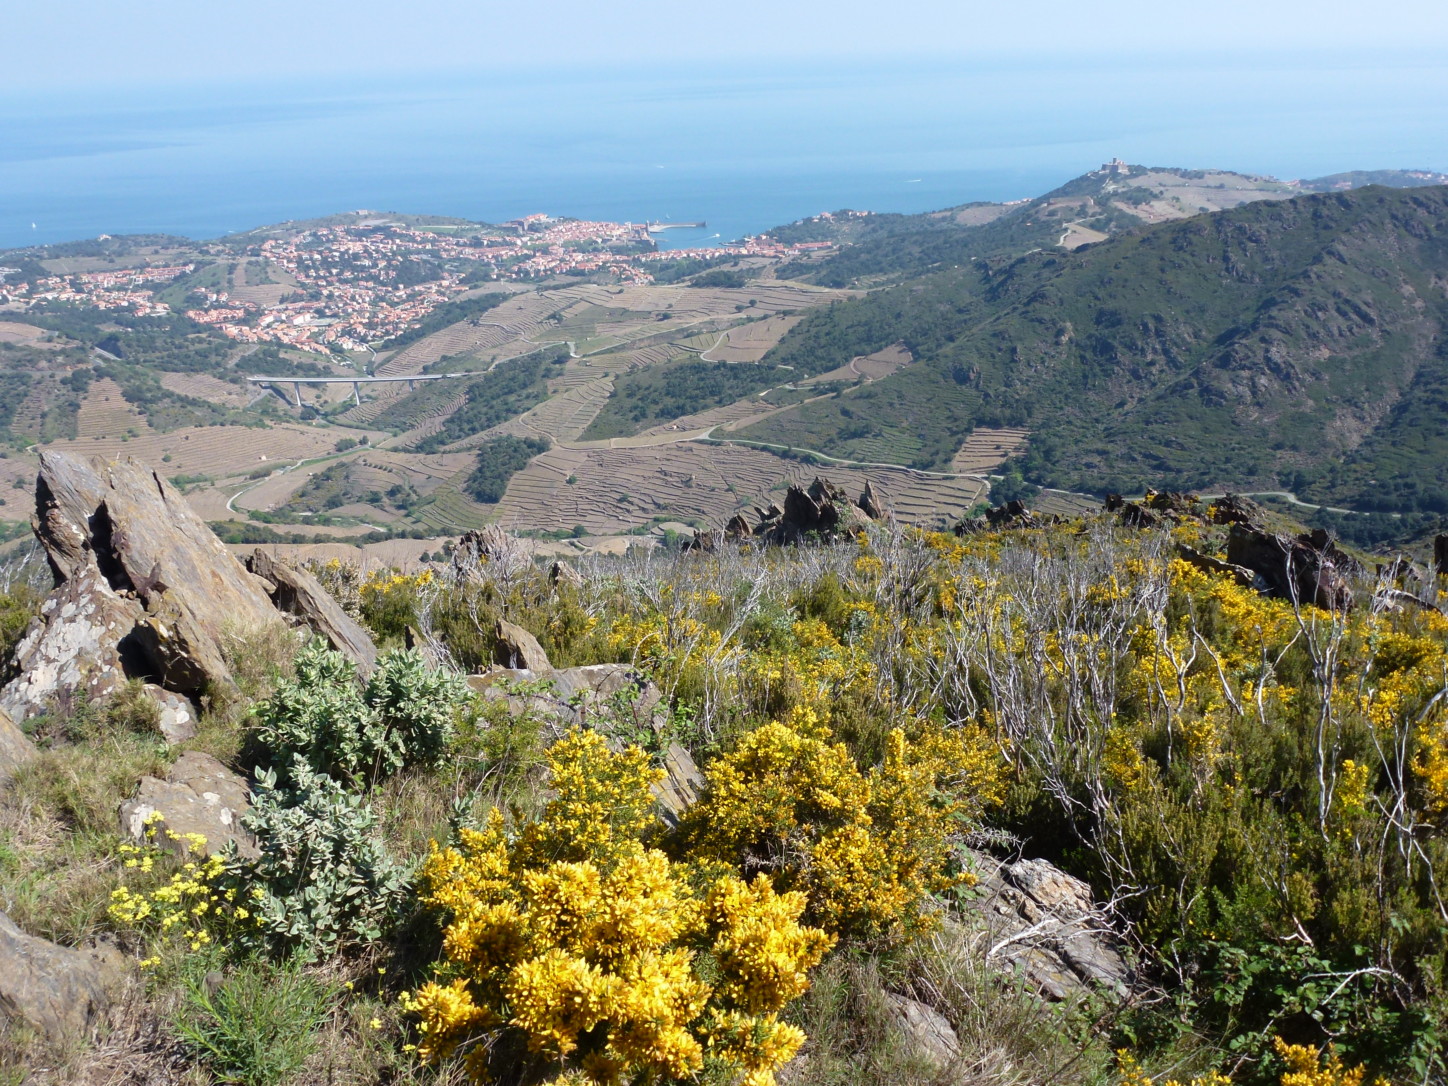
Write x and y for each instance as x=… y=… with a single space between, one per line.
x=384 y=582
x=1305 y=1067
x=190 y=903
x=583 y=947
x=866 y=848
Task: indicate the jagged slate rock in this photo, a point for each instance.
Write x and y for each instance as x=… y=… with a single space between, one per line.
x=1236 y=509
x=516 y=647
x=1308 y=569
x=1043 y=924
x=299 y=594
x=1241 y=574
x=198 y=796
x=177 y=716
x=15 y=747
x=928 y=1035
x=704 y=542
x=870 y=503
x=560 y=572
x=489 y=544
x=1013 y=514
x=1440 y=555
x=79 y=644
x=802 y=514
x=570 y=689
x=737 y=528
x=62 y=993
x=128 y=523
x=682 y=784
x=1050 y=887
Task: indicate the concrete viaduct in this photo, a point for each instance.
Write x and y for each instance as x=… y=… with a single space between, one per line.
x=355 y=382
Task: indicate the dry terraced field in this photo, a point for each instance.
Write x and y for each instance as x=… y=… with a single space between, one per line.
x=985 y=449
x=105 y=411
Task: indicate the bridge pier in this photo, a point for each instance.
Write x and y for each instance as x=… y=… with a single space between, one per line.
x=297 y=387
x=411 y=386
x=357 y=393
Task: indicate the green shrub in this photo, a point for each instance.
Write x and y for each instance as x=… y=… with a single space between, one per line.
x=323 y=878
x=403 y=716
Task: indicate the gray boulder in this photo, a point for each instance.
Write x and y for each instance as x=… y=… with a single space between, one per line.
x=175 y=715
x=572 y=695
x=928 y=1035
x=517 y=648
x=1044 y=925
x=144 y=589
x=15 y=747
x=199 y=796
x=682 y=784
x=75 y=646
x=59 y=992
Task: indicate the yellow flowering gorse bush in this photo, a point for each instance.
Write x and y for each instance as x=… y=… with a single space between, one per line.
x=574 y=946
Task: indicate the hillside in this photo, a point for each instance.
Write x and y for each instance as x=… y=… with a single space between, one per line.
x=1153 y=795
x=1290 y=344
x=1116 y=197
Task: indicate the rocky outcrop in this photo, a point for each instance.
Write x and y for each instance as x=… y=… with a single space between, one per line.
x=1307 y=569
x=199 y=797
x=516 y=648
x=703 y=542
x=1205 y=562
x=561 y=573
x=297 y=593
x=75 y=646
x=822 y=512
x=870 y=503
x=1440 y=555
x=489 y=545
x=571 y=695
x=59 y=992
x=1044 y=925
x=1012 y=515
x=681 y=787
x=928 y=1035
x=144 y=589
x=15 y=747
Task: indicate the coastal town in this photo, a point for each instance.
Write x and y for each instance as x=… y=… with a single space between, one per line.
x=355 y=284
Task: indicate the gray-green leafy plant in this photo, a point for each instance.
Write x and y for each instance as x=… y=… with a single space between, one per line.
x=323 y=878
x=403 y=716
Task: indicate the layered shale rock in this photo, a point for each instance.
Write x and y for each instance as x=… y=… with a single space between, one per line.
x=197 y=808
x=59 y=992
x=144 y=590
x=296 y=593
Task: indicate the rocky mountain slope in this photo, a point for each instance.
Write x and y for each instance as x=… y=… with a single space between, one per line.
x=1293 y=344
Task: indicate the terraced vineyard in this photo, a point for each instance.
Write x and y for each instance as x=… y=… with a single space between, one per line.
x=216 y=451
x=205 y=387
x=616 y=489
x=561 y=418
x=986 y=449
x=750 y=342
x=105 y=411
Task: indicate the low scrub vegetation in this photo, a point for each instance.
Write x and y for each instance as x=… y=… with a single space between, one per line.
x=451 y=886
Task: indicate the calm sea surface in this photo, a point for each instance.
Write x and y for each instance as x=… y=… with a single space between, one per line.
x=691 y=139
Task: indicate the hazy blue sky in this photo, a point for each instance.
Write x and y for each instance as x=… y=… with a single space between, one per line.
x=82 y=42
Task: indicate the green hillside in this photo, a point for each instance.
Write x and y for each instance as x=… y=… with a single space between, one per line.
x=1293 y=344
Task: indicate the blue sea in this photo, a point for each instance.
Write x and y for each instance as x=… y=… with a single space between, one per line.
x=741 y=147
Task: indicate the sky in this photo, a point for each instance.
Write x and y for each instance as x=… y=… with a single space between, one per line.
x=85 y=43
